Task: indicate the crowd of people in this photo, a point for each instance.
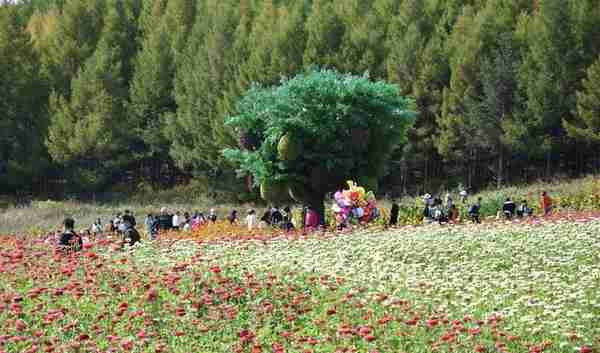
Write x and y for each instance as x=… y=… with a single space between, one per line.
x=124 y=224
x=436 y=210
x=185 y=221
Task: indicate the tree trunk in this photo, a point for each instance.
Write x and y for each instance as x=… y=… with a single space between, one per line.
x=548 y=163
x=500 y=173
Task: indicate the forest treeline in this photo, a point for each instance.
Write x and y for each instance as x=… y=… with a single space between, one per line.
x=96 y=93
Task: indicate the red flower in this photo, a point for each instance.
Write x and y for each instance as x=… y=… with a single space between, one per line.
x=384 y=320
x=278 y=348
x=585 y=349
x=127 y=345
x=180 y=311
x=246 y=336
x=20 y=325
x=479 y=348
x=432 y=323
x=151 y=295
x=475 y=331
x=370 y=338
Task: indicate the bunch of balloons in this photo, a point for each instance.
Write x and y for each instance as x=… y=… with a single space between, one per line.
x=354 y=205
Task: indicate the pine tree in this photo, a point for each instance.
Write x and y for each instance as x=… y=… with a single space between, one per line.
x=480 y=100
x=196 y=130
x=325 y=34
x=151 y=89
x=586 y=126
x=550 y=75
x=71 y=42
x=88 y=128
x=23 y=97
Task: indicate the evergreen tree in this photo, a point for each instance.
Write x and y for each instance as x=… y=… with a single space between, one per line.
x=196 y=130
x=417 y=62
x=23 y=97
x=325 y=34
x=151 y=89
x=586 y=126
x=88 y=129
x=550 y=74
x=481 y=98
x=70 y=40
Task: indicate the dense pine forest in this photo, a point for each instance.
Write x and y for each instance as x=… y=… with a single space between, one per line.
x=99 y=93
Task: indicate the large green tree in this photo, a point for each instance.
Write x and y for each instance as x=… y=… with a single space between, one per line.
x=23 y=105
x=151 y=96
x=89 y=131
x=586 y=126
x=317 y=130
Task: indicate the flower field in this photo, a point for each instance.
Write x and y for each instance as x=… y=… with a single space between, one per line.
x=471 y=288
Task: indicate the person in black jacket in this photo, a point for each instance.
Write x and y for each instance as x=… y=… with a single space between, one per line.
x=129 y=218
x=394 y=214
x=165 y=220
x=69 y=240
x=508 y=208
x=276 y=217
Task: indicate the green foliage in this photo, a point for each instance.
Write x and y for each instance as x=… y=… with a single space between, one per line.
x=348 y=126
x=503 y=89
x=23 y=111
x=587 y=127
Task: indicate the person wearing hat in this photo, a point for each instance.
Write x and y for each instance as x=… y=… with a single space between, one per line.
x=212 y=216
x=428 y=200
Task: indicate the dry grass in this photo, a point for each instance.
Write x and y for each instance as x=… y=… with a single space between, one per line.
x=42 y=216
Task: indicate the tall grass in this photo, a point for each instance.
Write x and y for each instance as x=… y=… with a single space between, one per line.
x=43 y=216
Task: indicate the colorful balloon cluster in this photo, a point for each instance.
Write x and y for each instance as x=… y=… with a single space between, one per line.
x=354 y=204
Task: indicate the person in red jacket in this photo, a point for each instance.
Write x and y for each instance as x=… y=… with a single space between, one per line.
x=546 y=203
x=312 y=219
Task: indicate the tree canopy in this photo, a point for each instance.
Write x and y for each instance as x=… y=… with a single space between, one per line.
x=308 y=135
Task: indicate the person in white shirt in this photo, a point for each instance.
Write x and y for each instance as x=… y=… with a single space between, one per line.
x=176 y=220
x=463 y=196
x=97 y=227
x=251 y=220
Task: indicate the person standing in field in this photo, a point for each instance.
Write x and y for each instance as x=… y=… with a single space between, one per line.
x=165 y=220
x=176 y=220
x=69 y=240
x=232 y=218
x=212 y=215
x=251 y=219
x=474 y=211
x=546 y=203
x=463 y=196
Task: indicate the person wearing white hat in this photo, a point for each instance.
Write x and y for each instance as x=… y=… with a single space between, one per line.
x=213 y=215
